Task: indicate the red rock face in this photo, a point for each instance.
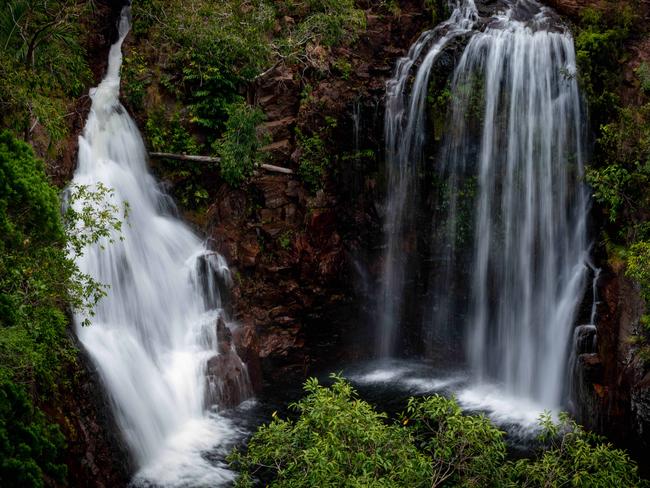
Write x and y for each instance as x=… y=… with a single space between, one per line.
x=572 y=8
x=227 y=379
x=287 y=245
x=615 y=394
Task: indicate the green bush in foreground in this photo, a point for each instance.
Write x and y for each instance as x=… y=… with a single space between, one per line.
x=340 y=440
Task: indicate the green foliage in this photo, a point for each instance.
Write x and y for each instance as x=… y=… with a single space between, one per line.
x=91 y=217
x=638 y=266
x=609 y=187
x=170 y=134
x=344 y=67
x=327 y=22
x=620 y=172
x=240 y=142
x=32 y=265
x=285 y=240
x=42 y=64
x=29 y=447
x=340 y=440
x=314 y=159
x=599 y=46
x=135 y=79
x=643 y=72
x=438 y=102
x=38 y=278
x=29 y=206
x=573 y=457
x=207 y=52
x=464 y=450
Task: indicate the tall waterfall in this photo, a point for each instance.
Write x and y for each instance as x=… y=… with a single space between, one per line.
x=151 y=338
x=509 y=231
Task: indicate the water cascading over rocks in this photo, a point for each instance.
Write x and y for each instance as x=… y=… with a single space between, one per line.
x=509 y=241
x=158 y=339
x=405 y=133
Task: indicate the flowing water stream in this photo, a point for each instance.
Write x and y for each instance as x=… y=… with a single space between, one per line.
x=154 y=333
x=405 y=133
x=509 y=240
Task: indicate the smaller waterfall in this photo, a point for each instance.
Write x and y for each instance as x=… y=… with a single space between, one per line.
x=594 y=292
x=155 y=336
x=405 y=134
x=356 y=126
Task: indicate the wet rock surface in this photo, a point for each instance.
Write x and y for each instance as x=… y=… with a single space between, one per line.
x=96 y=455
x=612 y=384
x=226 y=374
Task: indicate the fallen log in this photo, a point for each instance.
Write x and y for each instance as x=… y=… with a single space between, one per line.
x=210 y=159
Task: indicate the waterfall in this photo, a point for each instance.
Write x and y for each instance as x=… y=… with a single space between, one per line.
x=153 y=336
x=405 y=133
x=509 y=239
x=530 y=244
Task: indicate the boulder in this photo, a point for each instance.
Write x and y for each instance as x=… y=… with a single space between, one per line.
x=227 y=381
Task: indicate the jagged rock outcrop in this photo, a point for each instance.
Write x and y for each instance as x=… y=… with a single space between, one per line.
x=227 y=378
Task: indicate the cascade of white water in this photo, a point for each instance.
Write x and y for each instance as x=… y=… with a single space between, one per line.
x=509 y=232
x=153 y=334
x=530 y=245
x=405 y=133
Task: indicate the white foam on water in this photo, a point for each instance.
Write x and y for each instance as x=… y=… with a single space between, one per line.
x=505 y=410
x=180 y=461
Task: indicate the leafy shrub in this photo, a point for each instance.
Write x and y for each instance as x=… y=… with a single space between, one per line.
x=328 y=22
x=207 y=52
x=38 y=281
x=240 y=142
x=42 y=64
x=573 y=457
x=638 y=266
x=135 y=79
x=465 y=450
x=602 y=32
x=314 y=159
x=643 y=72
x=609 y=188
x=340 y=440
x=170 y=134
x=38 y=278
